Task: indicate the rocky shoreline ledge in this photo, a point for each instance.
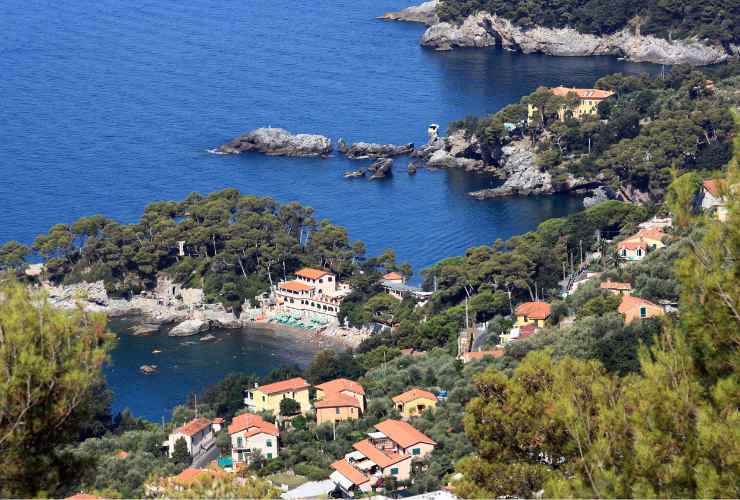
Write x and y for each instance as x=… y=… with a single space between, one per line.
x=484 y=29
x=182 y=317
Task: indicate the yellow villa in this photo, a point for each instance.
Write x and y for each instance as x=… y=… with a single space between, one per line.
x=267 y=397
x=588 y=102
x=414 y=401
x=339 y=399
x=532 y=313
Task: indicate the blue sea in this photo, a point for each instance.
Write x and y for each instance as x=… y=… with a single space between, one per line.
x=108 y=105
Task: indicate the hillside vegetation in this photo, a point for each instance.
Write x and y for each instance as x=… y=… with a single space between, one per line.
x=713 y=20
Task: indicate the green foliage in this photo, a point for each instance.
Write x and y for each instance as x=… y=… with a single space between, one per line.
x=289 y=407
x=329 y=364
x=715 y=20
x=180 y=454
x=235 y=246
x=50 y=362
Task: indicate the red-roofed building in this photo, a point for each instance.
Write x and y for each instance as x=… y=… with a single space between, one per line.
x=414 y=401
x=339 y=399
x=198 y=435
x=387 y=452
x=393 y=277
x=637 y=246
x=467 y=357
x=267 y=397
x=587 y=103
x=712 y=197
x=532 y=313
x=314 y=294
x=250 y=433
x=634 y=308
x=616 y=287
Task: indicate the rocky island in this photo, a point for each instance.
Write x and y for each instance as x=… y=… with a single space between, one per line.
x=365 y=150
x=278 y=142
x=486 y=29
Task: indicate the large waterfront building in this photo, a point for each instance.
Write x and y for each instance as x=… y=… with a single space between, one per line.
x=314 y=293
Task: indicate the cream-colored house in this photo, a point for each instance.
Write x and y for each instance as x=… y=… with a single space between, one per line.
x=267 y=397
x=314 y=293
x=198 y=435
x=387 y=452
x=249 y=434
x=637 y=246
x=414 y=402
x=616 y=287
x=587 y=103
x=712 y=198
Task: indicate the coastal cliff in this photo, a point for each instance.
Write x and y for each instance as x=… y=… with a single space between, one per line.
x=484 y=29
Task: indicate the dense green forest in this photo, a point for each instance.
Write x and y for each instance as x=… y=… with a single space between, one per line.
x=713 y=20
x=651 y=129
x=234 y=247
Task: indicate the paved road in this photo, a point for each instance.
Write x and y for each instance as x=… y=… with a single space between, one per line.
x=205 y=458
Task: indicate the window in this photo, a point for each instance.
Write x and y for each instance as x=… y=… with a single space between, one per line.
x=639 y=252
x=264 y=398
x=337 y=411
x=643 y=312
x=269 y=443
x=623 y=252
x=416 y=451
x=239 y=442
x=269 y=455
x=394 y=471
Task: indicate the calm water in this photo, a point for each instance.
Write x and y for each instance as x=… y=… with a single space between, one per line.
x=107 y=105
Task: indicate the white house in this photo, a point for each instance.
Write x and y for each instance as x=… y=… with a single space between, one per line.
x=314 y=293
x=712 y=199
x=198 y=435
x=387 y=452
x=250 y=433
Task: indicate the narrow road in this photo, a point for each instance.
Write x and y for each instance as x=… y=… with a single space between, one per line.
x=206 y=457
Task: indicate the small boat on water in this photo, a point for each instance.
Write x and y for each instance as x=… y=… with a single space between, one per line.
x=156 y=351
x=148 y=369
x=350 y=174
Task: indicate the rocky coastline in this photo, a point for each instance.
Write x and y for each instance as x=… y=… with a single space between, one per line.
x=484 y=29
x=371 y=151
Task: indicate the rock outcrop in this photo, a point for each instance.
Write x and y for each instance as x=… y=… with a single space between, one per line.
x=381 y=168
x=598 y=195
x=188 y=327
x=523 y=176
x=279 y=142
x=484 y=30
x=425 y=13
x=367 y=150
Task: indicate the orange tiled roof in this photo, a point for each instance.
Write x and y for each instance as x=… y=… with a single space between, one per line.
x=341 y=384
x=292 y=384
x=403 y=433
x=188 y=475
x=392 y=276
x=631 y=302
x=474 y=356
x=354 y=475
x=633 y=245
x=194 y=426
x=593 y=94
x=310 y=273
x=382 y=458
x=534 y=310
x=615 y=285
x=413 y=394
x=713 y=186
x=121 y=454
x=295 y=286
x=218 y=420
x=247 y=420
x=653 y=233
x=336 y=400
